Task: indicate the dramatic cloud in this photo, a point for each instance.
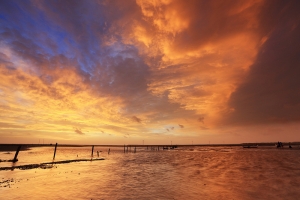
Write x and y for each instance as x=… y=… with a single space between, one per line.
x=128 y=71
x=270 y=92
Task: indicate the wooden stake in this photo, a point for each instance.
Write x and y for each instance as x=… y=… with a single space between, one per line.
x=54 y=151
x=17 y=152
x=92 y=151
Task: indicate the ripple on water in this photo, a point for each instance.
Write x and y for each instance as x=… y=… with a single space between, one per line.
x=209 y=174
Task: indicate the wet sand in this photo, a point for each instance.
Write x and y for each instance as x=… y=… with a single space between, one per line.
x=47 y=164
x=184 y=173
x=189 y=173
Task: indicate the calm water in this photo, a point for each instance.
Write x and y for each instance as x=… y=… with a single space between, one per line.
x=186 y=173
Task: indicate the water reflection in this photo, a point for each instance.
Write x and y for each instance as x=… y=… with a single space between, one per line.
x=201 y=173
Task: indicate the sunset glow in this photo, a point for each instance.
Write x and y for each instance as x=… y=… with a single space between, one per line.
x=152 y=71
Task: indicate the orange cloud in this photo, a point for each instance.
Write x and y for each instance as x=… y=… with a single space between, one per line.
x=148 y=70
x=204 y=55
x=37 y=104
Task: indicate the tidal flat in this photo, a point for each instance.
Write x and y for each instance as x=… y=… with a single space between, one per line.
x=221 y=172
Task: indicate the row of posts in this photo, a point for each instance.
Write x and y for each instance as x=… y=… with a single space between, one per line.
x=126 y=149
x=20 y=146
x=153 y=148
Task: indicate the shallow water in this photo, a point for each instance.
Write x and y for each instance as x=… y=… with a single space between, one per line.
x=184 y=173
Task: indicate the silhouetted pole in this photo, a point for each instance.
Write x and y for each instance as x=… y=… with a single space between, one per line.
x=108 y=151
x=92 y=151
x=124 y=148
x=17 y=152
x=54 y=151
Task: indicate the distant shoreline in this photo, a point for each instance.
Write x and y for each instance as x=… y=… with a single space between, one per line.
x=25 y=147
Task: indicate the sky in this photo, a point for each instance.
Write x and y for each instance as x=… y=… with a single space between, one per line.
x=149 y=71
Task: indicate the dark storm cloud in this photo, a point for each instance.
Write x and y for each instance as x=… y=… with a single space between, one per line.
x=271 y=92
x=213 y=21
x=122 y=76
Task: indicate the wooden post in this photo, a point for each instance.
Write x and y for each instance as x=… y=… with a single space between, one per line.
x=108 y=151
x=124 y=148
x=54 y=151
x=92 y=151
x=17 y=152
